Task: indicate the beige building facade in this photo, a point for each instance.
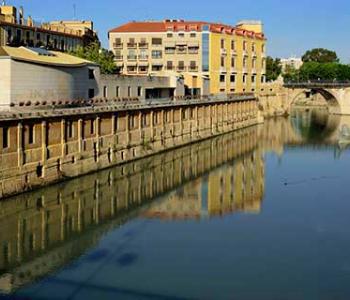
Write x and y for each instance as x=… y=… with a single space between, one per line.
x=230 y=59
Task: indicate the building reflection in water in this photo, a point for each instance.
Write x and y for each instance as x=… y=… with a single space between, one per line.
x=236 y=187
x=44 y=230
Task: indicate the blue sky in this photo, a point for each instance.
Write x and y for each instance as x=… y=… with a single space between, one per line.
x=291 y=26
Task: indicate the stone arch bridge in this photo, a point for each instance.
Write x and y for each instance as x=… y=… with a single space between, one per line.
x=337 y=94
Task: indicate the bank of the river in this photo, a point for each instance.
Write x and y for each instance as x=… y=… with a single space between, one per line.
x=39 y=148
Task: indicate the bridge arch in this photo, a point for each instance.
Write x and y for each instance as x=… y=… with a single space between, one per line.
x=331 y=97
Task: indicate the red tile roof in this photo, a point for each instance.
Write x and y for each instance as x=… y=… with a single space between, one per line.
x=163 y=26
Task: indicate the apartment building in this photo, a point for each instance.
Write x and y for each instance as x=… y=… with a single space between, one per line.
x=16 y=31
x=231 y=58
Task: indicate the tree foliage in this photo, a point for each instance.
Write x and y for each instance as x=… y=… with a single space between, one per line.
x=96 y=54
x=319 y=64
x=273 y=68
x=320 y=55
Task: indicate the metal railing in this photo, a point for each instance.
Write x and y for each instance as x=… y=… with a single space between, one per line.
x=317 y=84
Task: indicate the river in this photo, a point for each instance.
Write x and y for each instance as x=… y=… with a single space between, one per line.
x=260 y=213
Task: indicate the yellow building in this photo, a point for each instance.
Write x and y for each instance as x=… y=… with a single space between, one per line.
x=230 y=59
x=16 y=31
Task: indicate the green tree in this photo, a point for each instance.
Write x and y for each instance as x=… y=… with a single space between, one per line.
x=324 y=71
x=320 y=55
x=290 y=74
x=273 y=68
x=96 y=54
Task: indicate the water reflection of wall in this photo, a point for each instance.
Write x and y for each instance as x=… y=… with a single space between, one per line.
x=46 y=229
x=238 y=186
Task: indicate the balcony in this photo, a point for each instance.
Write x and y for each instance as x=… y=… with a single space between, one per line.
x=181 y=50
x=223 y=51
x=181 y=68
x=170 y=68
x=143 y=57
x=143 y=45
x=193 y=68
x=119 y=57
x=193 y=50
x=132 y=57
x=117 y=45
x=132 y=45
x=169 y=50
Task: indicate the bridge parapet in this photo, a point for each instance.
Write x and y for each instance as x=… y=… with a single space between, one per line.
x=317 y=85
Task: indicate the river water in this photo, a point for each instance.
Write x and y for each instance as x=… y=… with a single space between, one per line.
x=262 y=213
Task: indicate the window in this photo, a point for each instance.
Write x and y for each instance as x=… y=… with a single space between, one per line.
x=91 y=74
x=5 y=137
x=222 y=61
x=143 y=54
x=233 y=45
x=91 y=93
x=253 y=47
x=233 y=78
x=143 y=69
x=117 y=91
x=222 y=78
x=157 y=54
x=222 y=44
x=254 y=63
x=169 y=35
x=118 y=41
x=233 y=62
x=181 y=65
x=104 y=92
x=139 y=91
x=205 y=49
x=244 y=78
x=169 y=65
x=244 y=46
x=31 y=134
x=157 y=68
x=193 y=66
x=253 y=78
x=244 y=62
x=156 y=41
x=263 y=48
x=181 y=35
x=193 y=35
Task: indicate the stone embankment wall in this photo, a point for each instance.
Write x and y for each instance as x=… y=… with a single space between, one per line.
x=273 y=100
x=41 y=147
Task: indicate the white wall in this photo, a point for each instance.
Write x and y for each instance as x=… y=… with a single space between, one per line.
x=5 y=83
x=37 y=83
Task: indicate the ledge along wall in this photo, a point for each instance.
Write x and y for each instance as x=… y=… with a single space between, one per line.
x=37 y=149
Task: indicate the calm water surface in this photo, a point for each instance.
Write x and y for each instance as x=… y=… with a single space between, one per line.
x=259 y=214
